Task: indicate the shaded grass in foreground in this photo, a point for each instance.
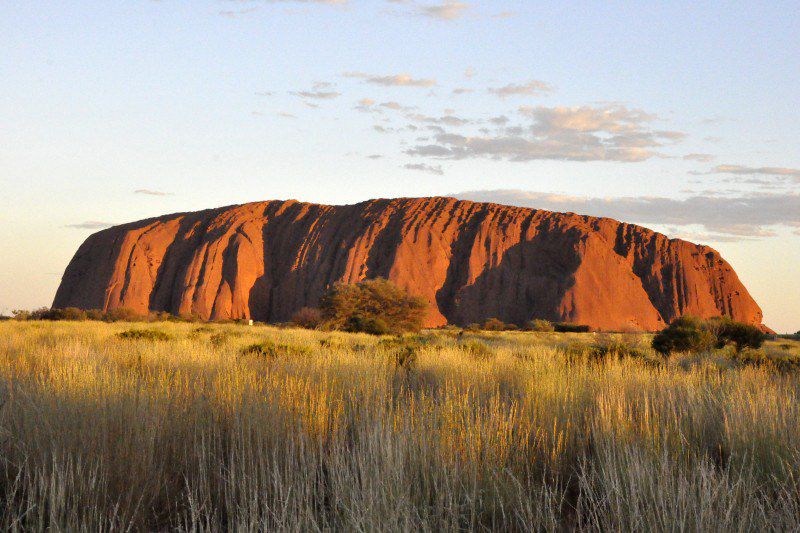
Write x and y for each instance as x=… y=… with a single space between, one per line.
x=342 y=431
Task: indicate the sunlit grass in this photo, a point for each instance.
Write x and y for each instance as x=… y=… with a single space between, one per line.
x=332 y=431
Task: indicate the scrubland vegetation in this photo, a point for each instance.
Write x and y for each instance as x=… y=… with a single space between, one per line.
x=257 y=428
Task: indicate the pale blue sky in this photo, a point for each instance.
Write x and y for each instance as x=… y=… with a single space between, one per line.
x=211 y=103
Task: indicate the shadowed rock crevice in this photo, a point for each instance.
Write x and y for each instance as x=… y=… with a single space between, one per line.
x=471 y=261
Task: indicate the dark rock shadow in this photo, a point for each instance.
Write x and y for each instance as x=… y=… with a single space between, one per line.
x=528 y=282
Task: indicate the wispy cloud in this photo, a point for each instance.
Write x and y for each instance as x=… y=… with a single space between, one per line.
x=151 y=192
x=531 y=88
x=319 y=95
x=781 y=172
x=726 y=217
x=448 y=10
x=392 y=80
x=422 y=167
x=447 y=120
x=365 y=105
x=321 y=90
x=698 y=157
x=233 y=13
x=395 y=106
x=608 y=133
x=90 y=224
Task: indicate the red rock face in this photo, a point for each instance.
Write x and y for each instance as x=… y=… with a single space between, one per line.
x=471 y=261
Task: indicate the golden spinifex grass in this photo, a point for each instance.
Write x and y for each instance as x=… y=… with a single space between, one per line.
x=335 y=431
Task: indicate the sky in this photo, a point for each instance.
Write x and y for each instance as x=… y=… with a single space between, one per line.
x=681 y=116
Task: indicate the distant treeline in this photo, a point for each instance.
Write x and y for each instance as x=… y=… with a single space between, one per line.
x=113 y=315
x=376 y=306
x=309 y=318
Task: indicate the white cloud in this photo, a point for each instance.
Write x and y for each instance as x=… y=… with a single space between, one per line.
x=392 y=80
x=151 y=192
x=446 y=120
x=395 y=106
x=91 y=224
x=233 y=13
x=531 y=88
x=365 y=106
x=779 y=172
x=422 y=167
x=698 y=157
x=319 y=95
x=448 y=10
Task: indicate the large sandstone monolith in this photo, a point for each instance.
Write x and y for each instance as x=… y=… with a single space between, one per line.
x=471 y=261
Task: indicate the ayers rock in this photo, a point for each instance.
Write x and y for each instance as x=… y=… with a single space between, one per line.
x=471 y=261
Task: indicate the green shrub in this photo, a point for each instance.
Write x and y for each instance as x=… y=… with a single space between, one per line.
x=692 y=334
x=307 y=317
x=567 y=327
x=144 y=334
x=20 y=314
x=737 y=333
x=398 y=341
x=603 y=349
x=538 y=324
x=374 y=306
x=494 y=324
x=76 y=314
x=684 y=334
x=359 y=323
x=46 y=313
x=757 y=358
x=122 y=314
x=476 y=349
x=94 y=314
x=406 y=358
x=616 y=349
x=221 y=337
x=67 y=313
x=270 y=350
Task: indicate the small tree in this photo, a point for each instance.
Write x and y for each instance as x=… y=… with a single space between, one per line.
x=740 y=335
x=21 y=314
x=494 y=324
x=122 y=314
x=67 y=313
x=684 y=334
x=537 y=324
x=94 y=314
x=373 y=306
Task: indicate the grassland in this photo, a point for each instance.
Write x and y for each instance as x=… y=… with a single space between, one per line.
x=329 y=431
